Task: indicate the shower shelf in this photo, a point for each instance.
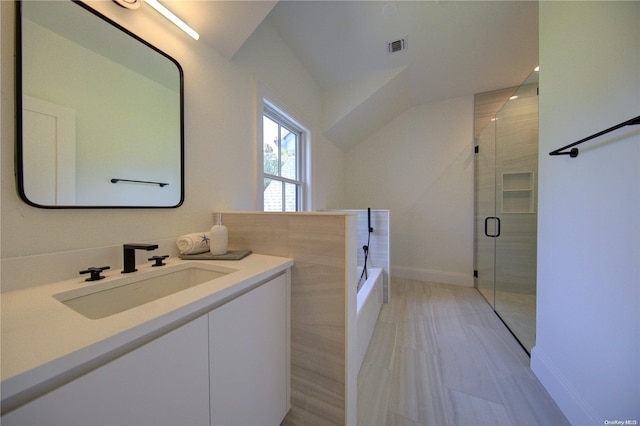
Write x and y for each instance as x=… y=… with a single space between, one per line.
x=517 y=192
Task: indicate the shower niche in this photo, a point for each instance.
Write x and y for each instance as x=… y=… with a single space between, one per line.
x=517 y=192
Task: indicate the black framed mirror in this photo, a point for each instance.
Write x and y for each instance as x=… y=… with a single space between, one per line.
x=100 y=112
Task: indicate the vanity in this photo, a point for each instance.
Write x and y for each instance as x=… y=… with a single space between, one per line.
x=215 y=352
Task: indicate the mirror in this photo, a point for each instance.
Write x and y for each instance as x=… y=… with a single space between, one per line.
x=100 y=112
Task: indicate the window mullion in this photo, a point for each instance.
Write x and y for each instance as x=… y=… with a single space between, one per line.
x=279 y=150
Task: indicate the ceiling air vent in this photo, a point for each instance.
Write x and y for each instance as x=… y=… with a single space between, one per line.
x=396 y=46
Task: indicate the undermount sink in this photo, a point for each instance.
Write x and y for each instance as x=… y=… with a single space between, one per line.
x=113 y=296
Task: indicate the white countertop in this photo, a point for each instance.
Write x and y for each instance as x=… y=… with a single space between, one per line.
x=44 y=342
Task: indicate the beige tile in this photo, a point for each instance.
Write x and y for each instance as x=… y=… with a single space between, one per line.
x=319 y=353
x=382 y=345
x=392 y=312
x=502 y=352
x=374 y=385
x=395 y=419
x=487 y=320
x=316 y=242
x=463 y=370
x=473 y=411
x=319 y=236
x=317 y=398
x=417 y=388
x=454 y=363
x=518 y=310
x=318 y=298
x=528 y=403
x=418 y=334
x=322 y=224
x=487 y=105
x=261 y=233
x=471 y=301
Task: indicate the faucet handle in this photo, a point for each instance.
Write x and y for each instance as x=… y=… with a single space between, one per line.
x=95 y=272
x=158 y=260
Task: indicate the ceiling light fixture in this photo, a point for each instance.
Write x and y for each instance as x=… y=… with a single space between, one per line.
x=173 y=18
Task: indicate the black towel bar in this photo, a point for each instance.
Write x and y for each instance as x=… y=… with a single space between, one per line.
x=574 y=151
x=160 y=184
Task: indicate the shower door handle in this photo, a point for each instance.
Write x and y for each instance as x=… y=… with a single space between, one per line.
x=497 y=229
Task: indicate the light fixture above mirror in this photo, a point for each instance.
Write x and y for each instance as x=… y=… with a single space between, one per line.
x=155 y=4
x=129 y=4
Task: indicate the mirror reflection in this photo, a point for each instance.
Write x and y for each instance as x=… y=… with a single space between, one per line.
x=100 y=113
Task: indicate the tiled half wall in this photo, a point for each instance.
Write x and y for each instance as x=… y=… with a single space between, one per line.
x=324 y=248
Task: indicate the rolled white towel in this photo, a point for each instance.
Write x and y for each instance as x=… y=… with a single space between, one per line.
x=194 y=243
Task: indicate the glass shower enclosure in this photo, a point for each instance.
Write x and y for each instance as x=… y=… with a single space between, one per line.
x=506 y=165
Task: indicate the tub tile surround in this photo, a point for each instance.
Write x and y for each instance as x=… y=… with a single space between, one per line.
x=379 y=246
x=323 y=246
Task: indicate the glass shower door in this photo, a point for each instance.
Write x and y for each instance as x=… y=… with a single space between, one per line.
x=516 y=198
x=506 y=167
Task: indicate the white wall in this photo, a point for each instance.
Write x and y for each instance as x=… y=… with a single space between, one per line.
x=420 y=166
x=219 y=146
x=295 y=90
x=587 y=353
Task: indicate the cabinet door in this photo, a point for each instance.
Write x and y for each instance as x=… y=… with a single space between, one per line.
x=249 y=357
x=164 y=382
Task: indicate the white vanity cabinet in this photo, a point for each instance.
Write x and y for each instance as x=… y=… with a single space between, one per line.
x=164 y=382
x=227 y=367
x=249 y=356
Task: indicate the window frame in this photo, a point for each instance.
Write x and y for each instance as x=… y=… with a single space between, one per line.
x=267 y=107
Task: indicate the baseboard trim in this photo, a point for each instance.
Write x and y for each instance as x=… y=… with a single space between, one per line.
x=444 y=277
x=572 y=405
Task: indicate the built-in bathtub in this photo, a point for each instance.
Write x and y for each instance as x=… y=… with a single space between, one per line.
x=369 y=302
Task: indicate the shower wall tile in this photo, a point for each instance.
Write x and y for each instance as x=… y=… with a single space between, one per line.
x=486 y=105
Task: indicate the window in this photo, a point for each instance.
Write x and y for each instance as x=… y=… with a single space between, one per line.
x=282 y=149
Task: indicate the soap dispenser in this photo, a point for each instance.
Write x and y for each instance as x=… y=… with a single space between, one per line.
x=219 y=237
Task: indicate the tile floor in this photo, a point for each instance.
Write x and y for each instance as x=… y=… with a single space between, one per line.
x=518 y=311
x=440 y=356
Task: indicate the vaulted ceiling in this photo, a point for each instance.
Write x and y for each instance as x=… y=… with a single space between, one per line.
x=454 y=48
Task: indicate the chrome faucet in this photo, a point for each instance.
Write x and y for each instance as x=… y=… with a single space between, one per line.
x=129 y=255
